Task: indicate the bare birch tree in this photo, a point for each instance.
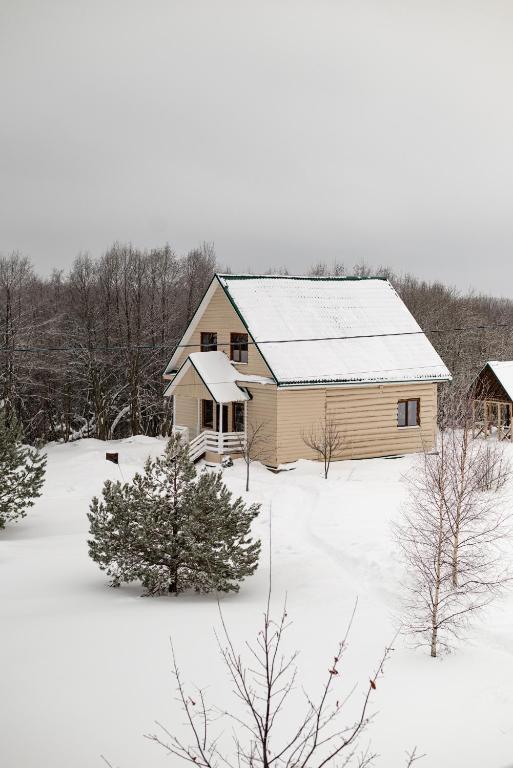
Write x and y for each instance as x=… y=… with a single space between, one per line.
x=450 y=537
x=477 y=519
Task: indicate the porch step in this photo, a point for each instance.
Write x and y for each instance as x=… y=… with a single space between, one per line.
x=197 y=447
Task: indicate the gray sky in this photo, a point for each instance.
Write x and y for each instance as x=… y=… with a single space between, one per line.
x=284 y=132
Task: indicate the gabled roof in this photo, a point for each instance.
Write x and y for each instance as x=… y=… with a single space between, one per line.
x=317 y=330
x=503 y=369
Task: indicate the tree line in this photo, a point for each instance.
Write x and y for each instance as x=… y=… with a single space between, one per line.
x=82 y=352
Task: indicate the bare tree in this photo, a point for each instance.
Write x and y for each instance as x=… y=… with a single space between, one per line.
x=476 y=519
x=253 y=445
x=327 y=440
x=412 y=757
x=266 y=733
x=450 y=537
x=495 y=467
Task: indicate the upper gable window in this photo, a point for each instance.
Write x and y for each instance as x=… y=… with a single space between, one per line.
x=239 y=347
x=208 y=341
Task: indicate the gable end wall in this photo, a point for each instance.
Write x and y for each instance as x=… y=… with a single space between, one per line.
x=488 y=387
x=220 y=317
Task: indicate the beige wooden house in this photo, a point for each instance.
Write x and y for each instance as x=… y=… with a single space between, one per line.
x=287 y=354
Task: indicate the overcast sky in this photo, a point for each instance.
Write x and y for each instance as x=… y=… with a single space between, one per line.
x=284 y=132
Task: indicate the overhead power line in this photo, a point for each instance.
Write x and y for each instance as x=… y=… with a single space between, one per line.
x=174 y=347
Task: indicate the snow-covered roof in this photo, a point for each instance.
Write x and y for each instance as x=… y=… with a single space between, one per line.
x=218 y=375
x=317 y=330
x=503 y=369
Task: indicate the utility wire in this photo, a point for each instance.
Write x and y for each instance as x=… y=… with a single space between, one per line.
x=120 y=348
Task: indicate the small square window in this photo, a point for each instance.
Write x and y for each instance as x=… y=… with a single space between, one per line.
x=208 y=341
x=408 y=413
x=239 y=347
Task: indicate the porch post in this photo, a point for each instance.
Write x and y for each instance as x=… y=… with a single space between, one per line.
x=220 y=428
x=198 y=418
x=245 y=423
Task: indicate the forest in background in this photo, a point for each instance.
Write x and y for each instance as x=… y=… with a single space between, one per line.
x=82 y=352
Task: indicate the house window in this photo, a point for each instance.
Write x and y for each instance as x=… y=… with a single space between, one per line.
x=207 y=414
x=408 y=413
x=208 y=341
x=238 y=417
x=239 y=347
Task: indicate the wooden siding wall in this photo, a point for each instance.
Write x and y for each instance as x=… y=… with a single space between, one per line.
x=192 y=386
x=188 y=391
x=187 y=413
x=221 y=318
x=262 y=410
x=367 y=416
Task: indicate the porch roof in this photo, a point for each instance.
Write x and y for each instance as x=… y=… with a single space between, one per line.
x=218 y=375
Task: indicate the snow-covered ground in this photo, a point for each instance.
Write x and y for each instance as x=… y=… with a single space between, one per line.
x=85 y=670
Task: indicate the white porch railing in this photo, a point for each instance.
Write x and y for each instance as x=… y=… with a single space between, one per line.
x=215 y=442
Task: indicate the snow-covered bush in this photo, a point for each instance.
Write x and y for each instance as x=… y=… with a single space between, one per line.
x=173 y=530
x=22 y=472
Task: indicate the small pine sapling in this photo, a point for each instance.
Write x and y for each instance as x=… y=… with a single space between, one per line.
x=22 y=472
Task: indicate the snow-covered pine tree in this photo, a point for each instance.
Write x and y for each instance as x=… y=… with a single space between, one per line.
x=111 y=531
x=172 y=530
x=22 y=472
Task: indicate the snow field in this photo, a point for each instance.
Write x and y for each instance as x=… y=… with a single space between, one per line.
x=86 y=669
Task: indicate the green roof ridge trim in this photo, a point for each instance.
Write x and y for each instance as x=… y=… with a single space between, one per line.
x=314 y=278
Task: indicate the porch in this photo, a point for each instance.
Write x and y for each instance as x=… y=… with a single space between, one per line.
x=492 y=418
x=214 y=430
x=213 y=445
x=210 y=405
